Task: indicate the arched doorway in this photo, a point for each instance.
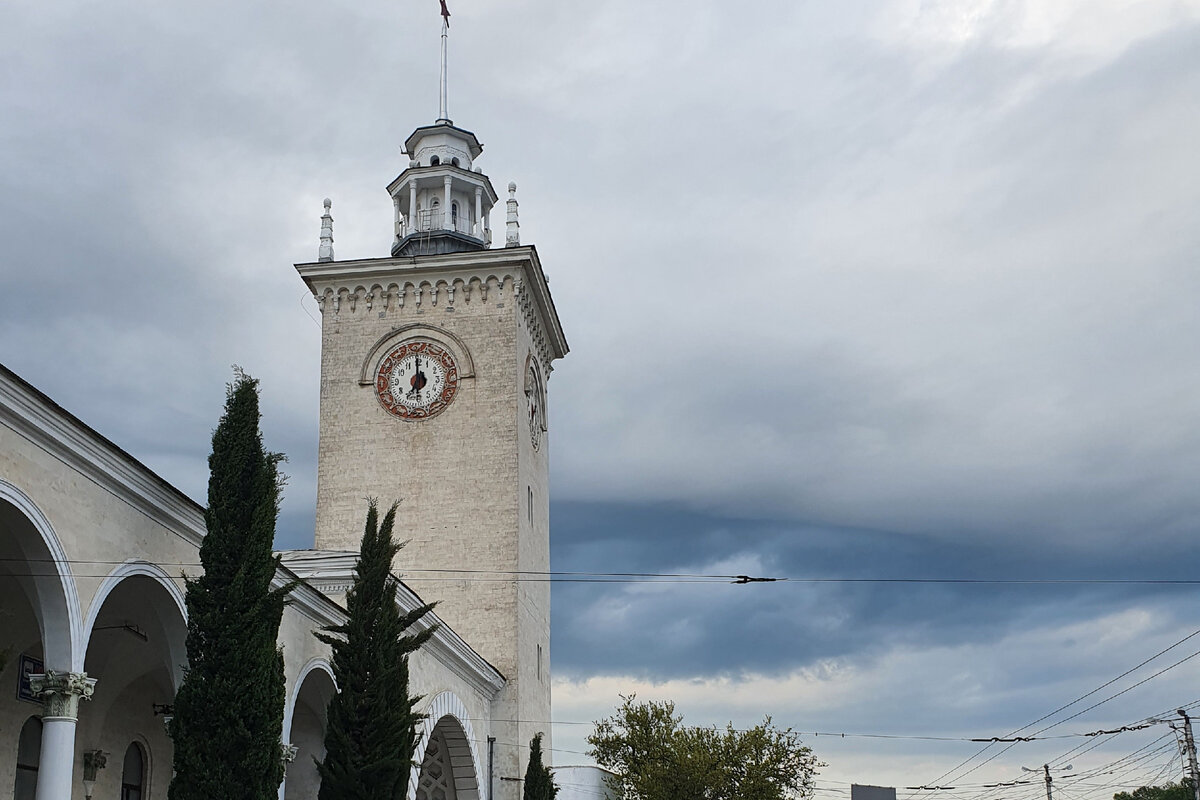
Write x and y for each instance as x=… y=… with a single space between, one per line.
x=135 y=650
x=447 y=764
x=304 y=729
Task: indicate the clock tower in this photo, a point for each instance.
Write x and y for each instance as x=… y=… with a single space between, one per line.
x=434 y=366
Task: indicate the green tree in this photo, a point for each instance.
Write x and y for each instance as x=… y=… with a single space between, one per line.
x=371 y=733
x=539 y=783
x=229 y=710
x=1170 y=791
x=656 y=757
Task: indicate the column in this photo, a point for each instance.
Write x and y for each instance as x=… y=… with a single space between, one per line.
x=414 y=223
x=60 y=693
x=446 y=204
x=477 y=229
x=399 y=221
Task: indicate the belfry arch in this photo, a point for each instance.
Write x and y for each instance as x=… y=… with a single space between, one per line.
x=446 y=764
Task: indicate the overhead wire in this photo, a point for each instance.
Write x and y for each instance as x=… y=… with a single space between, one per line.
x=1065 y=706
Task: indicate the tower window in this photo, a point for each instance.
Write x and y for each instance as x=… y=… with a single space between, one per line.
x=454 y=161
x=434 y=161
x=539 y=663
x=454 y=213
x=529 y=504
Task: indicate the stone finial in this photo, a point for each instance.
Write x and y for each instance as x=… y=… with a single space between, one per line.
x=326 y=251
x=512 y=235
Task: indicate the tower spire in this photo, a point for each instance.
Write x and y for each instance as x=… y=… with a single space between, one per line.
x=443 y=111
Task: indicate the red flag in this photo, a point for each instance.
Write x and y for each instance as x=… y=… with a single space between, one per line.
x=445 y=13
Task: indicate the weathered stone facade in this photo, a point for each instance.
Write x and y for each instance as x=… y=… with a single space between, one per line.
x=474 y=489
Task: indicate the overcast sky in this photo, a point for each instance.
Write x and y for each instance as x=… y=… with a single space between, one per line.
x=868 y=289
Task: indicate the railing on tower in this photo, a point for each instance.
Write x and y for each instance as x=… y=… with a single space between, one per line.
x=435 y=219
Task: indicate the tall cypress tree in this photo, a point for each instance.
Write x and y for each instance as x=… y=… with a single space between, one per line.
x=371 y=728
x=539 y=782
x=229 y=710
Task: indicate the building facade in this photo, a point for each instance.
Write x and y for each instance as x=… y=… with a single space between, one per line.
x=434 y=367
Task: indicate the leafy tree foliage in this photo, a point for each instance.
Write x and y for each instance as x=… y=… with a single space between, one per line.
x=371 y=733
x=539 y=783
x=229 y=710
x=656 y=757
x=1171 y=791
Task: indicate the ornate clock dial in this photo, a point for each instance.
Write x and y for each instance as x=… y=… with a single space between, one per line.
x=535 y=404
x=416 y=380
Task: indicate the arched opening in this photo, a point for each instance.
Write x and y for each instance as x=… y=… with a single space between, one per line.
x=136 y=653
x=447 y=767
x=454 y=161
x=37 y=592
x=454 y=214
x=434 y=161
x=305 y=730
x=29 y=754
x=133 y=773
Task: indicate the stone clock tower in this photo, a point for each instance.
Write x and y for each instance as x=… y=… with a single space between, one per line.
x=434 y=364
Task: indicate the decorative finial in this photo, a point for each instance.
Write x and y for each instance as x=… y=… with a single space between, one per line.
x=512 y=235
x=326 y=251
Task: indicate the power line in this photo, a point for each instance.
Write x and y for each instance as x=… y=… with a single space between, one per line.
x=1064 y=707
x=557 y=575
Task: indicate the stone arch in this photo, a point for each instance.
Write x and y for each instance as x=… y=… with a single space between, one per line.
x=129 y=569
x=447 y=745
x=314 y=665
x=135 y=649
x=462 y=356
x=30 y=545
x=304 y=727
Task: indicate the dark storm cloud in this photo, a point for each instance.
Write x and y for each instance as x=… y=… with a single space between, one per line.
x=773 y=628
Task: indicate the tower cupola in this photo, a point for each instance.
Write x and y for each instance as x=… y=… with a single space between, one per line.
x=443 y=202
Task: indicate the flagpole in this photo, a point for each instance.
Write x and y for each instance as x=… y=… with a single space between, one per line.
x=443 y=116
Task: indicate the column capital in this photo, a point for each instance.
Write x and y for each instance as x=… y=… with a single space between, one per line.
x=61 y=691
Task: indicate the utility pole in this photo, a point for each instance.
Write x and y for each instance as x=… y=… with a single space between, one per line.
x=1190 y=744
x=1049 y=780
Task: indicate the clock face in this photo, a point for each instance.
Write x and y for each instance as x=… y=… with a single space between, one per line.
x=416 y=380
x=535 y=405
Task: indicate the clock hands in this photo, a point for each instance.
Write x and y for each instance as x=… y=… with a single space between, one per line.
x=418 y=380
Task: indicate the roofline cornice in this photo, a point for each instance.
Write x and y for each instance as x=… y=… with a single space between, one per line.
x=524 y=258
x=338 y=569
x=441 y=170
x=32 y=415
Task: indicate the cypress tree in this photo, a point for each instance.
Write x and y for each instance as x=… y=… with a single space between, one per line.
x=371 y=728
x=539 y=782
x=229 y=710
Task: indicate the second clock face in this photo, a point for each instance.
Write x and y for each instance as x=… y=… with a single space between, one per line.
x=416 y=380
